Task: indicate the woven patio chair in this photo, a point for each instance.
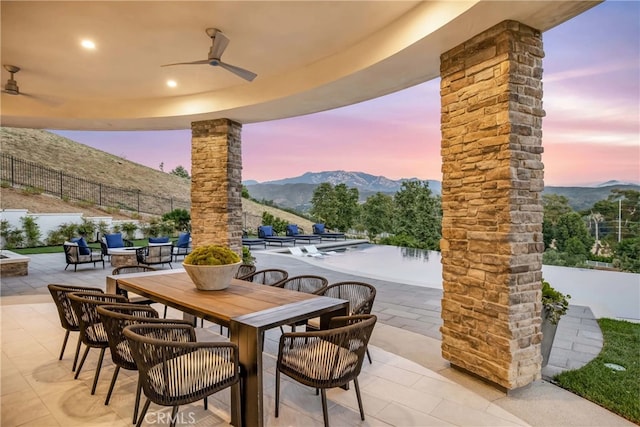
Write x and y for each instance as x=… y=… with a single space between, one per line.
x=68 y=318
x=326 y=359
x=115 y=318
x=360 y=296
x=271 y=277
x=176 y=370
x=126 y=269
x=245 y=270
x=309 y=284
x=92 y=330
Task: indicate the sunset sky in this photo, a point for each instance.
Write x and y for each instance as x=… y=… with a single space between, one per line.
x=591 y=132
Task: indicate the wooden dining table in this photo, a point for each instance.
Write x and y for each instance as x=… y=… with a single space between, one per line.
x=247 y=309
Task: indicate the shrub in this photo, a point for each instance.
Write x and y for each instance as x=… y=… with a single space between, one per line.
x=555 y=302
x=31 y=231
x=12 y=237
x=212 y=255
x=129 y=229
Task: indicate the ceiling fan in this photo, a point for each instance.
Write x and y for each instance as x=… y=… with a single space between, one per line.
x=219 y=43
x=12 y=86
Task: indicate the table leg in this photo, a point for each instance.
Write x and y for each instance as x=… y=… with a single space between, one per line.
x=249 y=341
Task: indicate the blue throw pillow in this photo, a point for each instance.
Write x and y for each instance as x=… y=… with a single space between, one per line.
x=319 y=228
x=83 y=248
x=183 y=240
x=158 y=239
x=114 y=240
x=265 y=231
x=292 y=230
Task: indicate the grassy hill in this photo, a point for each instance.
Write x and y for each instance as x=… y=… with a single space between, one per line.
x=57 y=152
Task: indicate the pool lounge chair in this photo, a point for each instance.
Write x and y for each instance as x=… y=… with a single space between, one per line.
x=320 y=229
x=293 y=231
x=266 y=232
x=251 y=242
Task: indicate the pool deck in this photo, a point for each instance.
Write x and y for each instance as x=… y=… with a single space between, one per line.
x=408 y=384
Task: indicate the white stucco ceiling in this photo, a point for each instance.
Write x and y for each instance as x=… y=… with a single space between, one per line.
x=309 y=56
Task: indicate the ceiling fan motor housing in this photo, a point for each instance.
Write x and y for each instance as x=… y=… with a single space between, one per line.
x=12 y=87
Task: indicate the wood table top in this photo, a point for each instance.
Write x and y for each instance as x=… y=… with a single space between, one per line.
x=246 y=300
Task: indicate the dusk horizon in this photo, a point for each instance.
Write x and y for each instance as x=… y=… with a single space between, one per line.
x=590 y=134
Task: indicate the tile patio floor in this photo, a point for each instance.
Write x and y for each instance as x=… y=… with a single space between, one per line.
x=408 y=384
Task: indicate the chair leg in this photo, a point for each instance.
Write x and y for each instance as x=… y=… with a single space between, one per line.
x=75 y=358
x=277 y=391
x=95 y=378
x=369 y=356
x=355 y=383
x=113 y=382
x=206 y=403
x=174 y=413
x=325 y=414
x=165 y=312
x=145 y=408
x=84 y=356
x=137 y=404
x=64 y=344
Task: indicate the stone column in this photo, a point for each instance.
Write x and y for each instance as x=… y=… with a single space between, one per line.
x=491 y=94
x=216 y=183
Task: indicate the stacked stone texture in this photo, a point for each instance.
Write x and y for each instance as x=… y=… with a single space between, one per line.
x=216 y=183
x=491 y=94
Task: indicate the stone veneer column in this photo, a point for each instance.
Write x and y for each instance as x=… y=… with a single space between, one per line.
x=492 y=183
x=216 y=183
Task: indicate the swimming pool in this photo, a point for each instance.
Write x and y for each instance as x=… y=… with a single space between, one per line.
x=608 y=293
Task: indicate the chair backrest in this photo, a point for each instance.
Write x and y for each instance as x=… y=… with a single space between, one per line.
x=360 y=295
x=292 y=230
x=115 y=318
x=126 y=269
x=309 y=284
x=330 y=357
x=71 y=252
x=265 y=231
x=174 y=369
x=245 y=270
x=318 y=228
x=183 y=240
x=59 y=293
x=157 y=254
x=114 y=240
x=270 y=276
x=85 y=306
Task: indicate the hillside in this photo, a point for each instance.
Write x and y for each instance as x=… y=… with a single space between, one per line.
x=61 y=153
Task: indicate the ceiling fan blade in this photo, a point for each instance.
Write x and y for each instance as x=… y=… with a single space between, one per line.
x=220 y=42
x=245 y=74
x=203 y=61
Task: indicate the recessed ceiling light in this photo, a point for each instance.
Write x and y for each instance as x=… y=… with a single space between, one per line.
x=172 y=83
x=88 y=44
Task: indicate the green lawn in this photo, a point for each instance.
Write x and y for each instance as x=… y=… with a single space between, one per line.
x=618 y=391
x=58 y=248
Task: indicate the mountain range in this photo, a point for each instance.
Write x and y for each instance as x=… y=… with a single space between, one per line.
x=296 y=192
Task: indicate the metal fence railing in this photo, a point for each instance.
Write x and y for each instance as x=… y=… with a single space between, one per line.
x=21 y=173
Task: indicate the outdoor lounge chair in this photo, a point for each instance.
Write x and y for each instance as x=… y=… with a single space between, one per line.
x=321 y=230
x=78 y=253
x=251 y=242
x=113 y=241
x=293 y=231
x=154 y=255
x=182 y=246
x=266 y=232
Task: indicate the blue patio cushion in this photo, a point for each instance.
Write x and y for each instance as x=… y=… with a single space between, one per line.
x=114 y=240
x=292 y=230
x=318 y=228
x=183 y=240
x=265 y=231
x=159 y=239
x=82 y=245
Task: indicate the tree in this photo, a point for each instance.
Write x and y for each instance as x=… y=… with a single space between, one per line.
x=181 y=172
x=555 y=206
x=627 y=255
x=347 y=208
x=323 y=204
x=162 y=166
x=377 y=214
x=418 y=214
x=245 y=192
x=572 y=226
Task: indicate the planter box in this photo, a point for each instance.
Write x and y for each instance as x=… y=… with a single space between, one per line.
x=13 y=264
